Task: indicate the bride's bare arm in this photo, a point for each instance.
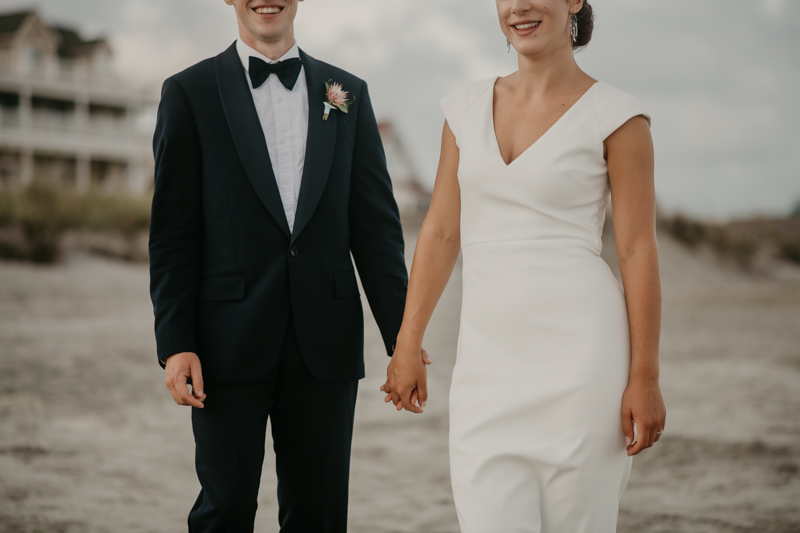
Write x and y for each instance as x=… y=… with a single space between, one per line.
x=434 y=258
x=630 y=170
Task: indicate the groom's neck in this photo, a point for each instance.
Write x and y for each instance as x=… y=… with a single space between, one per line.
x=273 y=48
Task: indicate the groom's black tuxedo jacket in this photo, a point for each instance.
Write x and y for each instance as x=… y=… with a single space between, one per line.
x=226 y=273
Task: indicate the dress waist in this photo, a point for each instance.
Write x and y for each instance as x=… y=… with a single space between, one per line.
x=565 y=245
x=513 y=268
x=537 y=281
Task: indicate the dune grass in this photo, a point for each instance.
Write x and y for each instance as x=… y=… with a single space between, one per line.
x=40 y=214
x=740 y=241
x=33 y=221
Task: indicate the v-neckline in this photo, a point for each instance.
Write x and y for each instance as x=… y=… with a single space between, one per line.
x=534 y=143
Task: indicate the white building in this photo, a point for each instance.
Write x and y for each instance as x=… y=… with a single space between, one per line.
x=66 y=119
x=64 y=116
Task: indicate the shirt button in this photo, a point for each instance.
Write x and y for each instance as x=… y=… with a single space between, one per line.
x=279 y=99
x=283 y=140
x=293 y=251
x=285 y=182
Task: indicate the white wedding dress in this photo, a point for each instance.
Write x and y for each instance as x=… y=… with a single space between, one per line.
x=536 y=442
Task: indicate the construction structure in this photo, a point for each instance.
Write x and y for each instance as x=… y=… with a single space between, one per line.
x=65 y=118
x=413 y=198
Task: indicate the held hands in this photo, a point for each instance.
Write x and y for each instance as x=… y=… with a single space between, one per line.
x=407 y=379
x=180 y=367
x=643 y=405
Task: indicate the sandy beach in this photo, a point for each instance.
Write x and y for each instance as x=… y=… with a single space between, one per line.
x=91 y=441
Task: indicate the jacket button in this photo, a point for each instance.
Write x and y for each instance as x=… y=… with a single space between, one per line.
x=293 y=251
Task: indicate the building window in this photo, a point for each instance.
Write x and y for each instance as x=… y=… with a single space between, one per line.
x=9 y=109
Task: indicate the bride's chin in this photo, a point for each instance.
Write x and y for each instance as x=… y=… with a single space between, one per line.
x=528 y=49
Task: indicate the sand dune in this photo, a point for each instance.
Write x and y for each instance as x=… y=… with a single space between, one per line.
x=90 y=440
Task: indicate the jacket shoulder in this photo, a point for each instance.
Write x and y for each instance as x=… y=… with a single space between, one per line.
x=337 y=72
x=196 y=75
x=340 y=75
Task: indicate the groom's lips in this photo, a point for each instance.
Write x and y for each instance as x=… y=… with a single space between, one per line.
x=267 y=10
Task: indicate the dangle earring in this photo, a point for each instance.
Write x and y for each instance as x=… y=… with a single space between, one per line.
x=508 y=45
x=573 y=28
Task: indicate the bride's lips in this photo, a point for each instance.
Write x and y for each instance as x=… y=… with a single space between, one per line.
x=267 y=10
x=525 y=27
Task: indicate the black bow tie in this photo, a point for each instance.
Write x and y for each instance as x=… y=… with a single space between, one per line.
x=287 y=71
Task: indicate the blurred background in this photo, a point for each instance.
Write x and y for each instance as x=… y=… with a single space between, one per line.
x=90 y=440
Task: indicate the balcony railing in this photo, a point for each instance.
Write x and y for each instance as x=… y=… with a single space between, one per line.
x=58 y=122
x=48 y=120
x=63 y=71
x=9 y=117
x=109 y=126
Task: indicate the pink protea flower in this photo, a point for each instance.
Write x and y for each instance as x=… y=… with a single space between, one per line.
x=336 y=95
x=335 y=98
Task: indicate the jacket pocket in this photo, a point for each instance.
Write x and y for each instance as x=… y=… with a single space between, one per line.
x=222 y=289
x=346 y=284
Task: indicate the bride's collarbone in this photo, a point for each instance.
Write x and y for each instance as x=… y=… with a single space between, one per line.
x=519 y=128
x=521 y=120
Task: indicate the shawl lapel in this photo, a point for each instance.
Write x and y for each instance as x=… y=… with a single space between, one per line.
x=240 y=112
x=320 y=144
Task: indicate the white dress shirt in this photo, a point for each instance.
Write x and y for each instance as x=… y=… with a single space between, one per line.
x=284 y=118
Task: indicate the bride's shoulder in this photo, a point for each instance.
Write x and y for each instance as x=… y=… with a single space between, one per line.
x=615 y=107
x=466 y=95
x=606 y=92
x=456 y=104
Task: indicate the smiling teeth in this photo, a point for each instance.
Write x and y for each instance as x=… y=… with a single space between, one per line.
x=527 y=26
x=268 y=10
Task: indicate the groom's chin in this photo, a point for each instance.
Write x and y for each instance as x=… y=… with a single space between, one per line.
x=269 y=19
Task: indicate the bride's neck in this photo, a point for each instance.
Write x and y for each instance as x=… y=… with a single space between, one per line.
x=542 y=74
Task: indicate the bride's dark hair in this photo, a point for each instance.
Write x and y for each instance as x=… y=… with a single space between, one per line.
x=585 y=25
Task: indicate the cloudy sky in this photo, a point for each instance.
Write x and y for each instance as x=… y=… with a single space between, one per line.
x=720 y=77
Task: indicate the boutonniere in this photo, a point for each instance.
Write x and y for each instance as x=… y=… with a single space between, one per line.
x=335 y=98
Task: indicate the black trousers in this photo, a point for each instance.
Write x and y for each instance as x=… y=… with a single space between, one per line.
x=312 y=428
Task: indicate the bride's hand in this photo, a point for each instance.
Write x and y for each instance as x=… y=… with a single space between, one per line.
x=643 y=405
x=414 y=375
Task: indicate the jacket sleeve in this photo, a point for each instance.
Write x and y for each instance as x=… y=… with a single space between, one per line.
x=376 y=236
x=176 y=224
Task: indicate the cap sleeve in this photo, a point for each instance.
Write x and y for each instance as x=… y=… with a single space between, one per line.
x=615 y=108
x=457 y=104
x=453 y=108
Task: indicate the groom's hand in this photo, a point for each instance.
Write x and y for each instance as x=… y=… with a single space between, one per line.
x=182 y=368
x=407 y=381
